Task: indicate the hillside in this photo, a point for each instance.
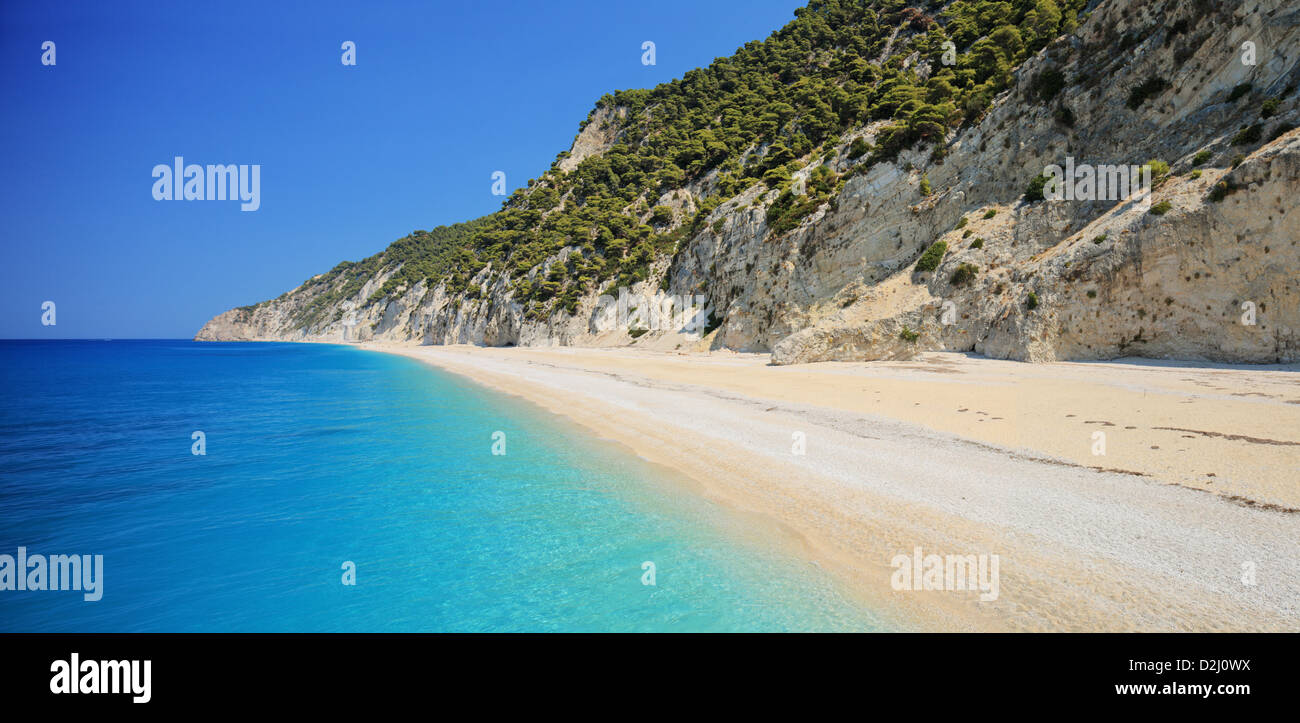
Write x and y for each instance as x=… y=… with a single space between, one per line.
x=861 y=185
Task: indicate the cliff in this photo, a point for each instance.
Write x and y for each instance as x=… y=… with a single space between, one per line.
x=795 y=186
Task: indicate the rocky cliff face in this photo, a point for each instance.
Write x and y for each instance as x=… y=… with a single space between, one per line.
x=1205 y=267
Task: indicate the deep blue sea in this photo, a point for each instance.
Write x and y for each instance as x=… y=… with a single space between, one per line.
x=318 y=455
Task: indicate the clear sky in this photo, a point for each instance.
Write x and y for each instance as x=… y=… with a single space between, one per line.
x=352 y=158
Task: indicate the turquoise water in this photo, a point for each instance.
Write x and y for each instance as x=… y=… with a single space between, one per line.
x=317 y=455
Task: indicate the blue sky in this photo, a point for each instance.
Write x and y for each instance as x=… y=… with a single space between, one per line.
x=352 y=158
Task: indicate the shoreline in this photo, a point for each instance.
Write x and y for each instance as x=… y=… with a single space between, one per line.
x=1081 y=548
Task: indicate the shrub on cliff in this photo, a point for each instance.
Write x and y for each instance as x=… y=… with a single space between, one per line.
x=929 y=260
x=1221 y=190
x=1249 y=134
x=662 y=215
x=1159 y=171
x=964 y=274
x=1048 y=83
x=1034 y=192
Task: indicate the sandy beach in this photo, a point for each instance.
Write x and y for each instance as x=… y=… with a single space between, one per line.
x=1153 y=496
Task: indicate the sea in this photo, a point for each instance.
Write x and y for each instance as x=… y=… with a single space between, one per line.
x=275 y=487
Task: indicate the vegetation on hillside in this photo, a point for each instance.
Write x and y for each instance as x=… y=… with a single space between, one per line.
x=760 y=116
